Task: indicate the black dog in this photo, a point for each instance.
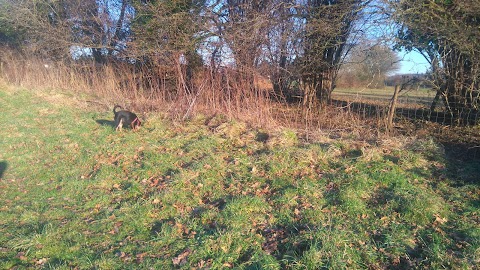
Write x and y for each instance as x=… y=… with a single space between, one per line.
x=125 y=118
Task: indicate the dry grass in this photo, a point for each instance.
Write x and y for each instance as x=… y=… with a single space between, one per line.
x=164 y=89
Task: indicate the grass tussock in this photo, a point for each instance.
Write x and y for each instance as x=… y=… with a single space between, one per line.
x=212 y=193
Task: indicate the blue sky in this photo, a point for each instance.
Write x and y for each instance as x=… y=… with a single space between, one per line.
x=412 y=62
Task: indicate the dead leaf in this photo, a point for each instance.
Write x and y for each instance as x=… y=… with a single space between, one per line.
x=181 y=259
x=154 y=181
x=116 y=228
x=204 y=264
x=139 y=257
x=273 y=237
x=331 y=186
x=21 y=256
x=121 y=254
x=439 y=219
x=42 y=261
x=228 y=265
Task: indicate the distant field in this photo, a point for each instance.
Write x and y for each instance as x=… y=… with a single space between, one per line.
x=420 y=96
x=214 y=194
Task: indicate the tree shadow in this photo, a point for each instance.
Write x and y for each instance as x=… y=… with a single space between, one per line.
x=463 y=168
x=3 y=168
x=461 y=142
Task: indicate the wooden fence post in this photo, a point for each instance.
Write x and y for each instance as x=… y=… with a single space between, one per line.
x=391 y=111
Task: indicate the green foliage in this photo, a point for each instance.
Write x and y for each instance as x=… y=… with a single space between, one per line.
x=77 y=194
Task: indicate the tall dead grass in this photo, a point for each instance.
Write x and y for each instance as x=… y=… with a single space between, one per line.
x=175 y=92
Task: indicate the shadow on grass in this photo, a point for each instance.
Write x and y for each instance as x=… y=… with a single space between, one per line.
x=3 y=168
x=461 y=143
x=104 y=122
x=283 y=241
x=464 y=172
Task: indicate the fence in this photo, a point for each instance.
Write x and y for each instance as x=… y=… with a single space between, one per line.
x=412 y=105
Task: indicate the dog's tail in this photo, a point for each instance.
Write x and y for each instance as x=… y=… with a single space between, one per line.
x=114 y=108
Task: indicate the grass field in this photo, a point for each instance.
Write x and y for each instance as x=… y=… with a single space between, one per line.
x=421 y=96
x=214 y=194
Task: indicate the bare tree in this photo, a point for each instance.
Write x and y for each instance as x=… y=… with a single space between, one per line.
x=243 y=26
x=446 y=32
x=55 y=28
x=368 y=64
x=328 y=26
x=283 y=47
x=165 y=39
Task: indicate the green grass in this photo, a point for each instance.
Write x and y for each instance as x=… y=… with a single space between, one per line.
x=76 y=194
x=422 y=96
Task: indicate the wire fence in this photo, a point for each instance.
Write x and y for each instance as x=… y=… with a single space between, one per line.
x=410 y=105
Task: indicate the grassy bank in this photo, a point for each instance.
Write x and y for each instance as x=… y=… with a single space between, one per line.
x=212 y=193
